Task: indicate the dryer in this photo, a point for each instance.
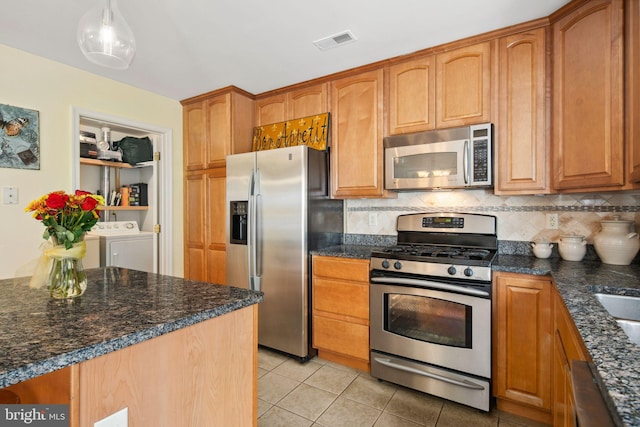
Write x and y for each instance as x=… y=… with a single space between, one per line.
x=122 y=244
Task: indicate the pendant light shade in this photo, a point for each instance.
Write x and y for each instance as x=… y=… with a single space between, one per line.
x=105 y=38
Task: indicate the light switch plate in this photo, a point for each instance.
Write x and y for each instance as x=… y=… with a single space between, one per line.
x=10 y=195
x=117 y=419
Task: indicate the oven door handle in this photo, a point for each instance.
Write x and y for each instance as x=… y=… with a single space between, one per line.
x=464 y=383
x=429 y=284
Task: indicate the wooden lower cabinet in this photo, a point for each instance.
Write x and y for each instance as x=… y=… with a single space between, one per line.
x=568 y=346
x=202 y=375
x=340 y=289
x=205 y=230
x=522 y=345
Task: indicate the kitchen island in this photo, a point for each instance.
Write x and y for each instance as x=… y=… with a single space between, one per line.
x=172 y=351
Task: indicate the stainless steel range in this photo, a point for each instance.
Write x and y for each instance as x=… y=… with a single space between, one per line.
x=430 y=306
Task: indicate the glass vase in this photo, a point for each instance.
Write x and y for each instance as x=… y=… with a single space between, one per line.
x=67 y=278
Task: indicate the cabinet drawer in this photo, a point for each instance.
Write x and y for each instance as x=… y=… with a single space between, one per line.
x=345 y=298
x=341 y=268
x=341 y=337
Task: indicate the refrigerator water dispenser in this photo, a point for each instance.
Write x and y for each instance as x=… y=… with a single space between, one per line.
x=238 y=227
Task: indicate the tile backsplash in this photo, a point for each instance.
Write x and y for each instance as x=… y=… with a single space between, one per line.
x=520 y=218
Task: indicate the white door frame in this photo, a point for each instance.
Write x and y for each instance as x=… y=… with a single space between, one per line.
x=164 y=178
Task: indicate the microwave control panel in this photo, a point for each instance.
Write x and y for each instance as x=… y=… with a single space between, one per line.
x=481 y=154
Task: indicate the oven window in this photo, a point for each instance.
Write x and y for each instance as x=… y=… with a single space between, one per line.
x=428 y=165
x=428 y=319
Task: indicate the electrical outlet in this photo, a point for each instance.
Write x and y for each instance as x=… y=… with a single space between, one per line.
x=373 y=219
x=117 y=419
x=552 y=221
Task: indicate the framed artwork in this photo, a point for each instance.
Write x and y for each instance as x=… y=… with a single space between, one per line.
x=19 y=138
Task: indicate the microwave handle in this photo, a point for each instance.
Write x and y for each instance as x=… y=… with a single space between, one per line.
x=465 y=161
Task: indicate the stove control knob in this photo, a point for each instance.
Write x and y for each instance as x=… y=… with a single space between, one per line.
x=397 y=265
x=452 y=270
x=385 y=263
x=468 y=272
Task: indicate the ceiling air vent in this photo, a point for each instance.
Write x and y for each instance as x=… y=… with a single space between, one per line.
x=335 y=40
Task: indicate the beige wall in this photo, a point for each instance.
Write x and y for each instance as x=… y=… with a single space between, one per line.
x=53 y=89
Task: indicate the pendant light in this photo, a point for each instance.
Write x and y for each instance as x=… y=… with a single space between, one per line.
x=105 y=38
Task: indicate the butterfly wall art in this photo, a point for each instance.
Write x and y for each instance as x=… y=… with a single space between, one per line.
x=19 y=138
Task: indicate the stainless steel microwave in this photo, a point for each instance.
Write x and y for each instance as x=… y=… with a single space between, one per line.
x=449 y=158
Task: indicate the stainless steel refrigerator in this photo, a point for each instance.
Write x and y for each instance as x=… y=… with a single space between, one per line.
x=278 y=209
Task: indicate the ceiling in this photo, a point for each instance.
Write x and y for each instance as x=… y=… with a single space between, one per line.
x=189 y=47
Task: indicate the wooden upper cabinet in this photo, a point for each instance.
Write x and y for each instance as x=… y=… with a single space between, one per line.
x=588 y=97
x=216 y=126
x=298 y=103
x=356 y=135
x=307 y=101
x=272 y=109
x=219 y=129
x=522 y=147
x=632 y=91
x=195 y=144
x=463 y=86
x=411 y=100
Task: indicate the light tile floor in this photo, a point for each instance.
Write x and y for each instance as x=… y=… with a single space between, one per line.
x=322 y=393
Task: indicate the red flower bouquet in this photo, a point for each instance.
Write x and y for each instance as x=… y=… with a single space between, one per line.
x=66 y=217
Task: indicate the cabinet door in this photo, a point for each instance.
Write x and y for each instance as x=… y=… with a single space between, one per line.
x=411 y=98
x=216 y=227
x=356 y=135
x=195 y=234
x=632 y=91
x=523 y=334
x=205 y=226
x=568 y=346
x=563 y=406
x=522 y=148
x=307 y=102
x=194 y=134
x=588 y=97
x=219 y=130
x=463 y=86
x=272 y=109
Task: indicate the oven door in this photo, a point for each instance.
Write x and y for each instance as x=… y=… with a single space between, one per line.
x=446 y=329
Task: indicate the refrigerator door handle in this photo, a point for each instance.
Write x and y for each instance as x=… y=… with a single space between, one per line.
x=257 y=262
x=252 y=237
x=251 y=230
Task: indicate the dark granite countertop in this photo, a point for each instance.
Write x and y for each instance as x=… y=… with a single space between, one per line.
x=120 y=308
x=615 y=357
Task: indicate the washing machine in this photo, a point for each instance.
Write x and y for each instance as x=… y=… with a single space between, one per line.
x=122 y=244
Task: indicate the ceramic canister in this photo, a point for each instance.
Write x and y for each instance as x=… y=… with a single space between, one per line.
x=572 y=247
x=617 y=243
x=541 y=249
